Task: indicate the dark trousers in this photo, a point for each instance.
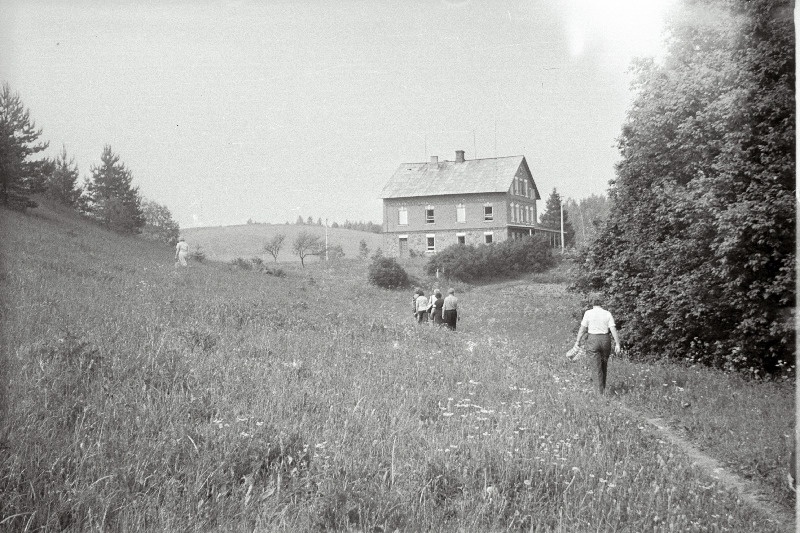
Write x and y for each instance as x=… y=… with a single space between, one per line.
x=450 y=318
x=422 y=316
x=598 y=347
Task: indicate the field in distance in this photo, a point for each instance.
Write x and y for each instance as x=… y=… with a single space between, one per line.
x=223 y=243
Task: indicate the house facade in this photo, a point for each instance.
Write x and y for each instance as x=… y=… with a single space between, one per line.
x=430 y=206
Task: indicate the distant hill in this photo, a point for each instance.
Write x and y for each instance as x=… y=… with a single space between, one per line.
x=223 y=243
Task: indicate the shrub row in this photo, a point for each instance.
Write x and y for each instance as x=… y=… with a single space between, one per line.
x=488 y=261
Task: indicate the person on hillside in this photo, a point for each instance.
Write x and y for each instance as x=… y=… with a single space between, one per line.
x=450 y=309
x=600 y=326
x=181 y=253
x=437 y=307
x=422 y=307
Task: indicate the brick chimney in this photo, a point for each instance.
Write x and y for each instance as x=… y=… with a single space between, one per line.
x=434 y=160
x=459 y=156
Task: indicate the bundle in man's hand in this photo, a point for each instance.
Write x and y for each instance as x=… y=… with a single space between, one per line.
x=575 y=353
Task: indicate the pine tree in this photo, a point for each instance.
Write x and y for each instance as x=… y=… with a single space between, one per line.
x=113 y=201
x=19 y=176
x=551 y=218
x=61 y=184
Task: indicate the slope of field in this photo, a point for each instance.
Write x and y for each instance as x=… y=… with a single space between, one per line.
x=144 y=398
x=223 y=243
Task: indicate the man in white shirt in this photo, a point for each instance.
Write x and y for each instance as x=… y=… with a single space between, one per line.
x=598 y=323
x=451 y=309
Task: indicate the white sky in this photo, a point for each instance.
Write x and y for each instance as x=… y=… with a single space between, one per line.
x=228 y=110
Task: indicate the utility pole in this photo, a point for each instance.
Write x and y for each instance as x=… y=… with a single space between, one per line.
x=561 y=204
x=326 y=239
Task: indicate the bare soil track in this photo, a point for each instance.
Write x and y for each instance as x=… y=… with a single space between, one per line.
x=747 y=491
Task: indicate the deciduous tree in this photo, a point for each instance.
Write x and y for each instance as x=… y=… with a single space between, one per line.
x=273 y=247
x=159 y=225
x=698 y=254
x=306 y=244
x=587 y=216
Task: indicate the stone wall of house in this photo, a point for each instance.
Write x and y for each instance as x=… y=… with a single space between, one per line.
x=418 y=241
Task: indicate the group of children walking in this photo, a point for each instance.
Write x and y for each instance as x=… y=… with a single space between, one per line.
x=436 y=309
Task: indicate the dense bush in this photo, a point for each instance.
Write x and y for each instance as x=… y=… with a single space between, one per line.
x=277 y=272
x=198 y=254
x=698 y=252
x=241 y=263
x=386 y=272
x=487 y=261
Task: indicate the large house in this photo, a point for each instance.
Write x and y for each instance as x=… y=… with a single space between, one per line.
x=430 y=206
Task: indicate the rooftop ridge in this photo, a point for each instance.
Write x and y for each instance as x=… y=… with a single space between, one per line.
x=466 y=160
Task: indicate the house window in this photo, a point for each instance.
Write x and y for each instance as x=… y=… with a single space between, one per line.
x=431 y=238
x=402 y=216
x=516 y=185
x=488 y=237
x=462 y=238
x=429 y=215
x=461 y=213
x=488 y=213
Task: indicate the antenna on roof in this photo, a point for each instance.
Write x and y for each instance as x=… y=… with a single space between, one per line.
x=495 y=138
x=474 y=150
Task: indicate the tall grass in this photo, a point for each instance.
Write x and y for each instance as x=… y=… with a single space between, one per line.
x=144 y=397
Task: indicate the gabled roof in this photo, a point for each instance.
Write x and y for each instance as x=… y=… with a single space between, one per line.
x=448 y=177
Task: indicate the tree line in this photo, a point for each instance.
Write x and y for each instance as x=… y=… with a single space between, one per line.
x=107 y=196
x=697 y=255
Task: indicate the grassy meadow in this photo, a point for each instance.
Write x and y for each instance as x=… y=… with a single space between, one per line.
x=143 y=398
x=224 y=243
